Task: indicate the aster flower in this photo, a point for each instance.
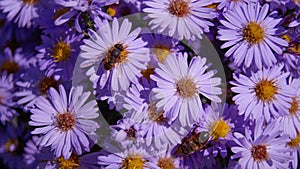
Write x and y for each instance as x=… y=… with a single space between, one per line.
x=179 y=86
x=155 y=129
x=22 y=12
x=12 y=145
x=42 y=157
x=87 y=10
x=291 y=55
x=231 y=4
x=15 y=63
x=97 y=51
x=130 y=157
x=7 y=104
x=264 y=148
x=251 y=35
x=219 y=121
x=267 y=93
x=58 y=53
x=35 y=83
x=65 y=122
x=180 y=18
x=163 y=159
x=126 y=132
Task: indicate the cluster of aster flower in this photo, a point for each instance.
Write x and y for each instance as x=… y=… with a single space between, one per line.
x=159 y=84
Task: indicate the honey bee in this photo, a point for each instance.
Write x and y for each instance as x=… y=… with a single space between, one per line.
x=192 y=143
x=113 y=56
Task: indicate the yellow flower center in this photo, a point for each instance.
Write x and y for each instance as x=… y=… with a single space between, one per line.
x=71 y=163
x=179 y=8
x=11 y=145
x=253 y=33
x=295 y=47
x=265 y=90
x=60 y=12
x=133 y=162
x=294 y=143
x=259 y=152
x=65 y=121
x=30 y=2
x=47 y=83
x=161 y=52
x=10 y=67
x=111 y=11
x=294 y=106
x=156 y=116
x=166 y=163
x=146 y=73
x=186 y=87
x=220 y=129
x=61 y=51
x=286 y=38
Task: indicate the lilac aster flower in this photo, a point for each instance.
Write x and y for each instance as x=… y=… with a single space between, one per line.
x=231 y=4
x=65 y=122
x=126 y=132
x=219 y=121
x=22 y=12
x=251 y=35
x=43 y=157
x=87 y=10
x=163 y=159
x=156 y=130
x=58 y=53
x=35 y=83
x=180 y=18
x=130 y=157
x=179 y=86
x=7 y=104
x=264 y=147
x=109 y=42
x=291 y=55
x=15 y=63
x=263 y=94
x=12 y=145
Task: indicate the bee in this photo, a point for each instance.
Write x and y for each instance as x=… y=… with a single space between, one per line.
x=113 y=56
x=192 y=143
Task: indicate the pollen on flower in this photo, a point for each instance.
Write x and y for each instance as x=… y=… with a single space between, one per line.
x=133 y=162
x=161 y=52
x=213 y=6
x=220 y=129
x=61 y=51
x=146 y=73
x=71 y=163
x=294 y=106
x=166 y=163
x=259 y=152
x=10 y=67
x=253 y=33
x=30 y=2
x=265 y=90
x=294 y=143
x=111 y=11
x=65 y=121
x=179 y=8
x=47 y=83
x=186 y=87
x=155 y=115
